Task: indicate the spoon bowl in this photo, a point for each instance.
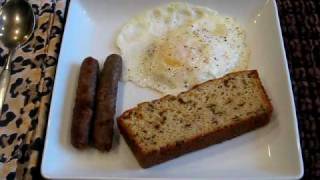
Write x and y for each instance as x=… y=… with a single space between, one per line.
x=16 y=23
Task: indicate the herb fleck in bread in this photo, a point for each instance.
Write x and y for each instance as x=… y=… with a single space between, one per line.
x=209 y=113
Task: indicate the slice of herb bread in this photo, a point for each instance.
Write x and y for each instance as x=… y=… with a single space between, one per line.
x=209 y=113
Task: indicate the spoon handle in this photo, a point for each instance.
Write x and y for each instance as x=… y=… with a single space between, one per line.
x=5 y=79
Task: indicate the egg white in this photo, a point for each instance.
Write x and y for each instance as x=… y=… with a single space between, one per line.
x=173 y=47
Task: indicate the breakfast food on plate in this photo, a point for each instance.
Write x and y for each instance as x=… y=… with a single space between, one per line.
x=209 y=113
x=106 y=102
x=173 y=47
x=83 y=110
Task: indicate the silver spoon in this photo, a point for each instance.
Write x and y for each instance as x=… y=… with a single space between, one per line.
x=17 y=22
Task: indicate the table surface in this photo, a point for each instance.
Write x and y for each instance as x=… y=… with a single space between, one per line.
x=300 y=25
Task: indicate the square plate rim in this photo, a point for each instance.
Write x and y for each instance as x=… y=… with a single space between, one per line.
x=298 y=175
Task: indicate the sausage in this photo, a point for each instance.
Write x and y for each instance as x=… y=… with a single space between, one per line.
x=83 y=110
x=106 y=102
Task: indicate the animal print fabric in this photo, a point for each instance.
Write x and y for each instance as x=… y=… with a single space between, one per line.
x=24 y=114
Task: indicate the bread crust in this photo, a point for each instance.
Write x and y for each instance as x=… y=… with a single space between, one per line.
x=148 y=159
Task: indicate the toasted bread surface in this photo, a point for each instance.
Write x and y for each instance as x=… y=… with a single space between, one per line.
x=209 y=113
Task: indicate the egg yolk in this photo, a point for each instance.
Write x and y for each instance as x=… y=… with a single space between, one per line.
x=172 y=55
x=175 y=51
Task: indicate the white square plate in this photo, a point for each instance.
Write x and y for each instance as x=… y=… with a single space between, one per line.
x=270 y=152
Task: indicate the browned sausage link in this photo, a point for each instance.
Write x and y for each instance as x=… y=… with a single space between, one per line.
x=83 y=110
x=106 y=102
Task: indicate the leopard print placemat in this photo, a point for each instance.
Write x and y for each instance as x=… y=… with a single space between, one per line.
x=24 y=114
x=22 y=124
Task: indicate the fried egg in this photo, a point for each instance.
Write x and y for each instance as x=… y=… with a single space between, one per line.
x=176 y=46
